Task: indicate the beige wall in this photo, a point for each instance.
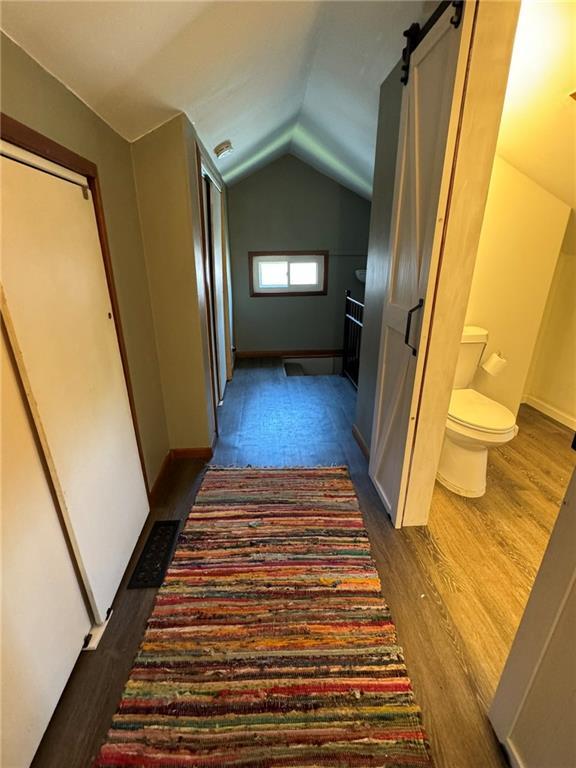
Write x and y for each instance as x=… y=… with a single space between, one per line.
x=551 y=385
x=167 y=190
x=521 y=236
x=32 y=96
x=378 y=256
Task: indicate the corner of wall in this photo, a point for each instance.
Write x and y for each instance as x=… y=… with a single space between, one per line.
x=154 y=471
x=168 y=211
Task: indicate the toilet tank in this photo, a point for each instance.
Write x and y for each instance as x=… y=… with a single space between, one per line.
x=472 y=346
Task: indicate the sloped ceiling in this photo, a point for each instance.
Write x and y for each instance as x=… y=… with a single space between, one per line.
x=273 y=77
x=538 y=128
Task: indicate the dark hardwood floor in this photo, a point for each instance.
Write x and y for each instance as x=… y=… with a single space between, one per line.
x=269 y=418
x=456 y=589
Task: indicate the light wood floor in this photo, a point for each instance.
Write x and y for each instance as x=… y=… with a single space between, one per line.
x=483 y=554
x=456 y=588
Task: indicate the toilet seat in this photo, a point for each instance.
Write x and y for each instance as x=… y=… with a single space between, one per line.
x=471 y=409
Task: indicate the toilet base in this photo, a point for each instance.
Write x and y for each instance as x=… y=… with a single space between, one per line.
x=462 y=468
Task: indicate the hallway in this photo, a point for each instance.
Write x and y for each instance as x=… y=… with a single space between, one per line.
x=270 y=419
x=196 y=193
x=446 y=584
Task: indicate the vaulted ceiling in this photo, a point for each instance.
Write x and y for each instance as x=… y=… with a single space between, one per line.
x=538 y=128
x=273 y=77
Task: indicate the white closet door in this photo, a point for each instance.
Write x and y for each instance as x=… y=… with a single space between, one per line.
x=44 y=619
x=59 y=316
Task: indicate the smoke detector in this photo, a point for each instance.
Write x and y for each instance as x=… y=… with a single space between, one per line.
x=224 y=148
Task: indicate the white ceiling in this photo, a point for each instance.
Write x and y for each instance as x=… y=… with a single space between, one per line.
x=273 y=77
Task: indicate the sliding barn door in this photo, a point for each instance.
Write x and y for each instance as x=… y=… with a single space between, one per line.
x=57 y=309
x=431 y=106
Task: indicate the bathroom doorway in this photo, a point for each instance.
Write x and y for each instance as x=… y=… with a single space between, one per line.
x=514 y=396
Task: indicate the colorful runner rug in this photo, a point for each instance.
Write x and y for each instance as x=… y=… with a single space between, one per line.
x=269 y=644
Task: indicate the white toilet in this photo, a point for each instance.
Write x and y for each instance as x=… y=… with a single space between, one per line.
x=475 y=423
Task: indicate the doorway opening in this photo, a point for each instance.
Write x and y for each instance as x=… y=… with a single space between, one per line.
x=216 y=269
x=507 y=455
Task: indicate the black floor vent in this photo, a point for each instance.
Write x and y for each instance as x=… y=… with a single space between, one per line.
x=156 y=555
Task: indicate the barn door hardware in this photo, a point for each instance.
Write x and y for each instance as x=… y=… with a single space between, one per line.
x=415 y=308
x=415 y=33
x=458 y=6
x=412 y=35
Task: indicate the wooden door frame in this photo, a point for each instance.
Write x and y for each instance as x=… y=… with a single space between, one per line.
x=20 y=135
x=207 y=296
x=207 y=181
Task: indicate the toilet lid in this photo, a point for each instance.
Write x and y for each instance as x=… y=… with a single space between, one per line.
x=472 y=409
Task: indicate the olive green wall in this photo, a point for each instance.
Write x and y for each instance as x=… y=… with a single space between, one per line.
x=289 y=205
x=378 y=254
x=32 y=96
x=166 y=183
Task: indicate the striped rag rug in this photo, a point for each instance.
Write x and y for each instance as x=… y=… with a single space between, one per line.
x=269 y=643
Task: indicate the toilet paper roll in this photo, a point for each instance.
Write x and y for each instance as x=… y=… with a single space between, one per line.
x=495 y=364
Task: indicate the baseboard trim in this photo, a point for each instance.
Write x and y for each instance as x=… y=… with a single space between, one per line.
x=361 y=442
x=191 y=453
x=549 y=410
x=289 y=353
x=161 y=472
x=204 y=454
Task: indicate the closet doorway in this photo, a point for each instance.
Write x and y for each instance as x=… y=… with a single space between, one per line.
x=73 y=496
x=60 y=321
x=215 y=281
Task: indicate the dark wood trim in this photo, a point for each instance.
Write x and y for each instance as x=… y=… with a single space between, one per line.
x=360 y=440
x=207 y=296
x=207 y=182
x=24 y=137
x=191 y=453
x=259 y=295
x=27 y=138
x=289 y=353
x=173 y=455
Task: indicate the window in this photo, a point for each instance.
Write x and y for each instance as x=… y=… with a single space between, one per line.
x=288 y=273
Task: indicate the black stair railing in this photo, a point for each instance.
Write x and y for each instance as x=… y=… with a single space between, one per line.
x=353 y=319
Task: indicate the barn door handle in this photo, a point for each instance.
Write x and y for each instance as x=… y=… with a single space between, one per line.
x=409 y=323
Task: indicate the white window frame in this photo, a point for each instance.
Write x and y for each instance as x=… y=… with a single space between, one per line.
x=320 y=258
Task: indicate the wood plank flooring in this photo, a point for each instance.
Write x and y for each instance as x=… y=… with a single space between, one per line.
x=456 y=589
